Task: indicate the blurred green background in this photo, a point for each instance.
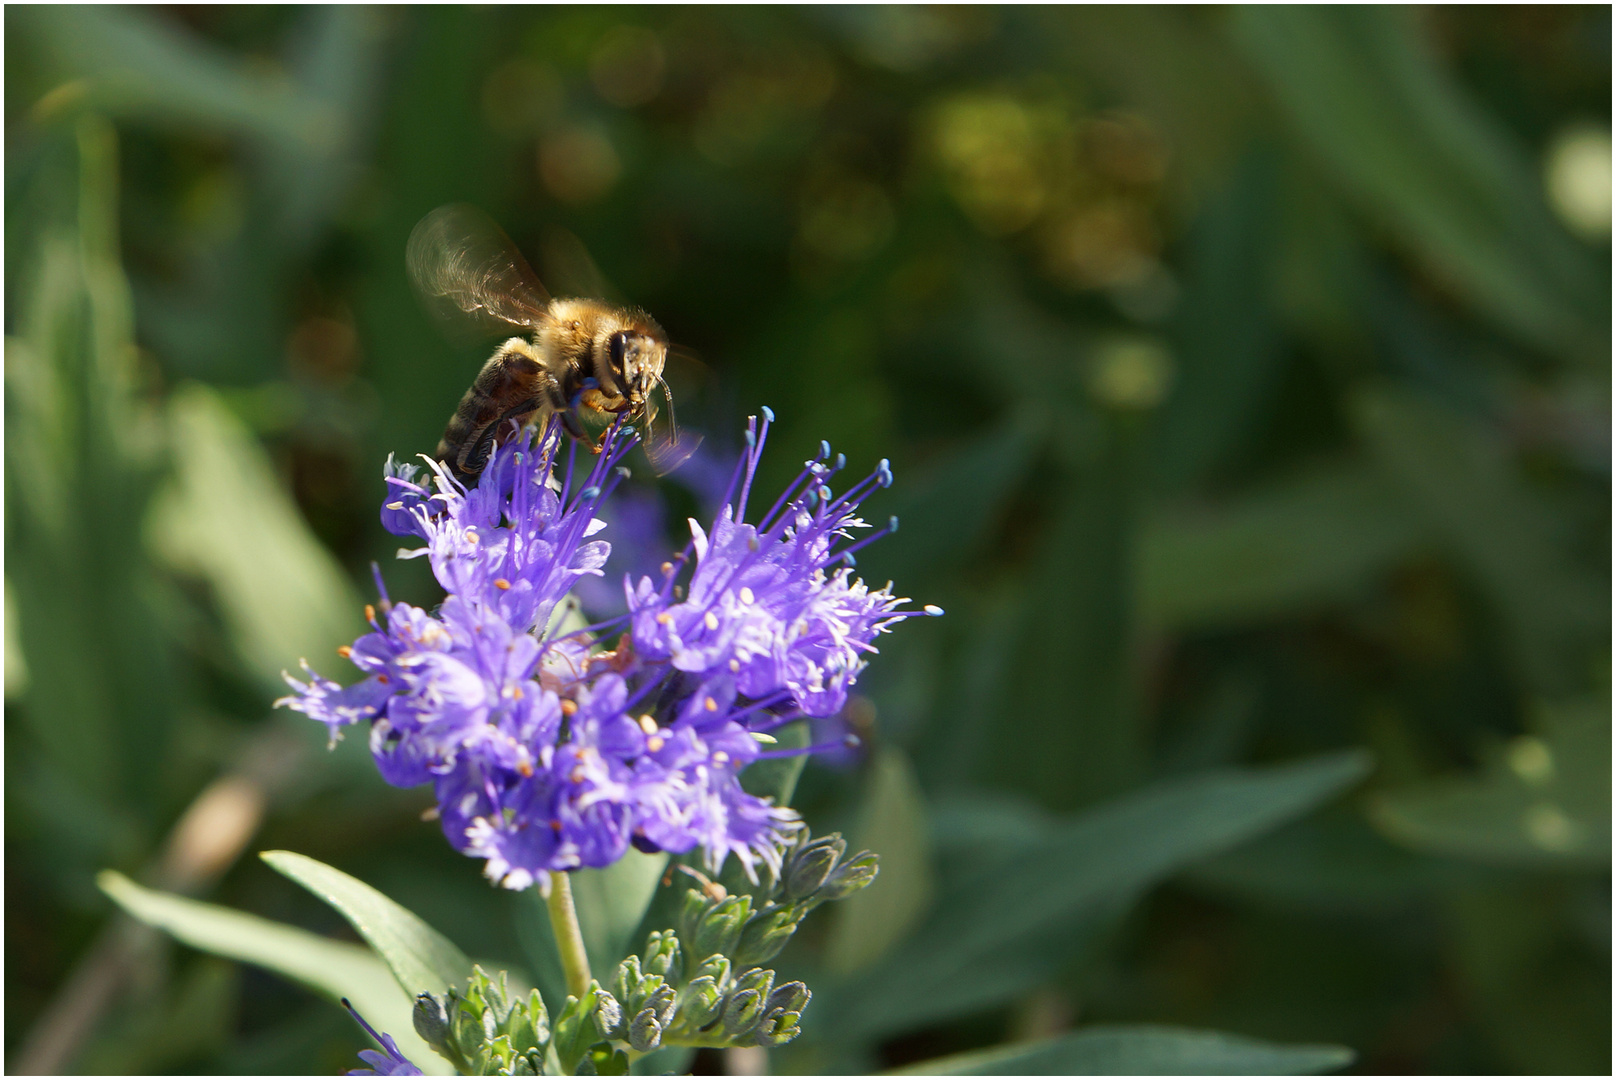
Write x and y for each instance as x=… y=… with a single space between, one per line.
x=1246 y=377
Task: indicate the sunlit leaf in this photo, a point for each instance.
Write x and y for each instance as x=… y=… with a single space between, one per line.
x=421 y=959
x=892 y=823
x=229 y=520
x=335 y=969
x=1362 y=89
x=136 y=62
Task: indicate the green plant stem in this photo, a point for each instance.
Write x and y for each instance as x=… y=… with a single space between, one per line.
x=569 y=938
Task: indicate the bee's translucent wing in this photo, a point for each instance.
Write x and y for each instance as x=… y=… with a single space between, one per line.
x=686 y=380
x=465 y=266
x=667 y=447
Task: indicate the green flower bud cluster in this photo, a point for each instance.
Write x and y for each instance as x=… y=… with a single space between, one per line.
x=725 y=998
x=701 y=984
x=585 y=1031
x=483 y=1032
x=753 y=930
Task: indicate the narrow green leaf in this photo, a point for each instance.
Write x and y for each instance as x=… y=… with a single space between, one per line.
x=892 y=823
x=1017 y=919
x=1141 y=1050
x=1311 y=540
x=1459 y=477
x=229 y=520
x=335 y=969
x=421 y=959
x=1069 y=691
x=1361 y=87
x=135 y=62
x=1225 y=340
x=1333 y=862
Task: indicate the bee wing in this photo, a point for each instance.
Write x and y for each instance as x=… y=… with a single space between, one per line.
x=685 y=379
x=464 y=265
x=667 y=448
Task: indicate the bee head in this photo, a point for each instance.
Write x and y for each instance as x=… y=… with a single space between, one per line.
x=635 y=360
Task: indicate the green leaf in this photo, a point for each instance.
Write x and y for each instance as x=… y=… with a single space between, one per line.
x=421 y=959
x=1070 y=691
x=135 y=62
x=1139 y=1050
x=892 y=823
x=1225 y=340
x=335 y=969
x=105 y=683
x=1459 y=477
x=1544 y=801
x=1361 y=88
x=229 y=520
x=994 y=933
x=1311 y=540
x=611 y=901
x=1332 y=862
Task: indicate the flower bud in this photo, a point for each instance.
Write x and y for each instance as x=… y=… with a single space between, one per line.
x=528 y=1025
x=662 y=955
x=759 y=979
x=851 y=876
x=692 y=909
x=763 y=937
x=782 y=1028
x=662 y=1003
x=790 y=997
x=747 y=1002
x=645 y=1033
x=720 y=928
x=812 y=865
x=608 y=1014
x=715 y=967
x=628 y=977
x=466 y=1025
x=741 y=1013
x=699 y=1003
x=431 y=1021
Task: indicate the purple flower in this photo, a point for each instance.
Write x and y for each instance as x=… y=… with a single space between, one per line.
x=764 y=604
x=639 y=543
x=388 y=1061
x=548 y=752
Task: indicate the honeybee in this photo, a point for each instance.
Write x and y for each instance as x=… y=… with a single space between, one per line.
x=585 y=359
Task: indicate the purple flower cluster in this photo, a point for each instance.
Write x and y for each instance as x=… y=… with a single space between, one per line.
x=548 y=751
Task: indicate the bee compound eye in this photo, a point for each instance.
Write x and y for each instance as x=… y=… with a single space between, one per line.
x=616 y=349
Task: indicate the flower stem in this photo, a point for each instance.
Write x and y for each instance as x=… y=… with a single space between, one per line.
x=569 y=938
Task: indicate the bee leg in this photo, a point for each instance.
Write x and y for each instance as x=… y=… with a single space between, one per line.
x=569 y=420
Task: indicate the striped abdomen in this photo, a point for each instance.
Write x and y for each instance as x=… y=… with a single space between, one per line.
x=511 y=386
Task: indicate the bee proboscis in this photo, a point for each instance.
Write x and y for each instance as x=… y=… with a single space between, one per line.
x=584 y=359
